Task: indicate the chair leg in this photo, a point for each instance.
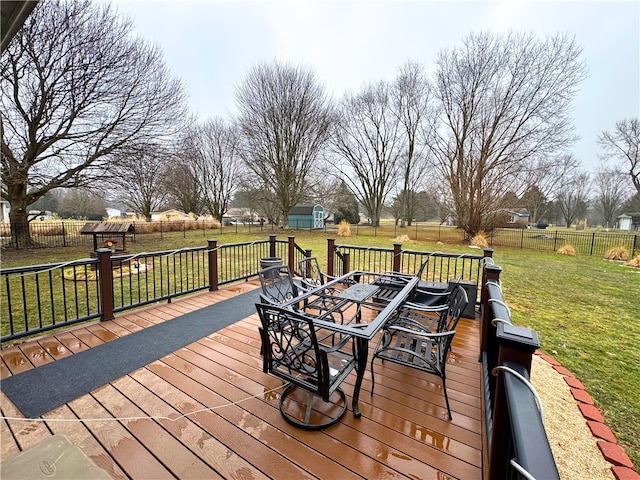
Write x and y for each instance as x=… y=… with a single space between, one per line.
x=446 y=397
x=373 y=377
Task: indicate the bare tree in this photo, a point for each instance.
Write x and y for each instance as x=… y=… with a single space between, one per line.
x=543 y=179
x=571 y=200
x=260 y=201
x=503 y=101
x=217 y=164
x=82 y=203
x=611 y=191
x=367 y=140
x=139 y=183
x=183 y=187
x=411 y=96
x=623 y=145
x=285 y=119
x=76 y=87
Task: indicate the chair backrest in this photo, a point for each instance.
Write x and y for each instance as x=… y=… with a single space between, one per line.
x=310 y=272
x=277 y=284
x=424 y=267
x=291 y=350
x=458 y=301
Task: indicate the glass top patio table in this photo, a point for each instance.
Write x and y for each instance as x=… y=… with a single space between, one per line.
x=355 y=292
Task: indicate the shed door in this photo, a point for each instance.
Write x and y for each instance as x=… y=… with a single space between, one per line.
x=318 y=219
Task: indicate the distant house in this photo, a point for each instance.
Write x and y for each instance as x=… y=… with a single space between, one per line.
x=113 y=213
x=306 y=216
x=238 y=215
x=518 y=215
x=4 y=210
x=171 y=214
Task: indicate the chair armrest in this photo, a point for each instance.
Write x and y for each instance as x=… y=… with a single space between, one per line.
x=425 y=308
x=422 y=334
x=335 y=346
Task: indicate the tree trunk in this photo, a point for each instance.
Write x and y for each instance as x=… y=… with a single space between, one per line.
x=19 y=221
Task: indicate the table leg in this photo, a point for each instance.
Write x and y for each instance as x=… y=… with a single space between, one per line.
x=362 y=351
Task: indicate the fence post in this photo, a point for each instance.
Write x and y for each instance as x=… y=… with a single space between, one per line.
x=272 y=244
x=292 y=253
x=522 y=239
x=331 y=245
x=397 y=256
x=555 y=241
x=105 y=275
x=593 y=239
x=633 y=248
x=346 y=263
x=212 y=255
x=64 y=236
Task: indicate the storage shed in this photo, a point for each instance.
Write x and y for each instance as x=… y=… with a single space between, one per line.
x=111 y=235
x=629 y=222
x=306 y=216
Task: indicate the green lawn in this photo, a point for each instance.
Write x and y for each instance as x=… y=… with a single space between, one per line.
x=586 y=310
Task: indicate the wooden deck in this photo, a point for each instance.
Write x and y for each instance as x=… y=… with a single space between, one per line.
x=403 y=431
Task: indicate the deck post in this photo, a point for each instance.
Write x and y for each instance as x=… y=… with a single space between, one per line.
x=272 y=245
x=490 y=273
x=517 y=344
x=397 y=256
x=105 y=274
x=331 y=246
x=212 y=255
x=292 y=253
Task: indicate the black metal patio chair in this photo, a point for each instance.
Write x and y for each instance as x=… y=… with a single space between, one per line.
x=311 y=275
x=277 y=285
x=298 y=353
x=413 y=341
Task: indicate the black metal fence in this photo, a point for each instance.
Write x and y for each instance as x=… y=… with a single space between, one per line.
x=67 y=233
x=586 y=243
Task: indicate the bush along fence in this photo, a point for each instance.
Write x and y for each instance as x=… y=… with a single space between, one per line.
x=40 y=298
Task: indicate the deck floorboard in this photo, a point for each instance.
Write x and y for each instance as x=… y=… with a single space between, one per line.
x=238 y=431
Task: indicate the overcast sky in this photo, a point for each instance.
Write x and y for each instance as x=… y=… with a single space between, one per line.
x=211 y=45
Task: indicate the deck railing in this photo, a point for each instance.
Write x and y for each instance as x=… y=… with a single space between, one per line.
x=39 y=298
x=517 y=444
x=441 y=267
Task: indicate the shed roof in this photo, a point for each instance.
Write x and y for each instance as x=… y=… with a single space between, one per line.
x=107 y=227
x=303 y=209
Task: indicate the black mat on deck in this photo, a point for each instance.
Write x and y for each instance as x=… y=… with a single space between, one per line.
x=42 y=389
